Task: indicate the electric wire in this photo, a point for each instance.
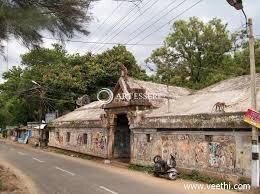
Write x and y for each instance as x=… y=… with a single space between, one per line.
x=116 y=23
x=171 y=20
x=132 y=21
x=107 y=19
x=144 y=25
x=157 y=20
x=122 y=24
x=100 y=43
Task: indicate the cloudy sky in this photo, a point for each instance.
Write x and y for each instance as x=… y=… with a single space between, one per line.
x=145 y=24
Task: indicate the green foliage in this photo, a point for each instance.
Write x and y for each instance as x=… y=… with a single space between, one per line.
x=241 y=59
x=1 y=185
x=110 y=62
x=196 y=176
x=198 y=54
x=145 y=169
x=244 y=180
x=62 y=78
x=26 y=19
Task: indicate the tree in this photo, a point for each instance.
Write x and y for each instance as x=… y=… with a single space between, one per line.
x=110 y=61
x=193 y=54
x=241 y=58
x=62 y=78
x=25 y=20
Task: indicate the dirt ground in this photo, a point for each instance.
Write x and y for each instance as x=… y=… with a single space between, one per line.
x=10 y=183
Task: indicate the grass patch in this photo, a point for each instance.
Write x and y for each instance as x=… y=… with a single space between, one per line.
x=193 y=176
x=140 y=168
x=196 y=176
x=1 y=185
x=244 y=180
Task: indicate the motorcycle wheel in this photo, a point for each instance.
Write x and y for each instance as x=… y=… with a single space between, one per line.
x=172 y=176
x=156 y=174
x=157 y=158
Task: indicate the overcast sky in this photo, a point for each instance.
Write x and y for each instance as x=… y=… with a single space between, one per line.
x=138 y=21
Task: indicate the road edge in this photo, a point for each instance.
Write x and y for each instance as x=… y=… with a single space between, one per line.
x=123 y=171
x=25 y=179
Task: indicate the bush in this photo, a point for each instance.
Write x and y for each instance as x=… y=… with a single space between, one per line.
x=1 y=185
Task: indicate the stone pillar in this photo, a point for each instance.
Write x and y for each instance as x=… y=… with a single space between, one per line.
x=111 y=134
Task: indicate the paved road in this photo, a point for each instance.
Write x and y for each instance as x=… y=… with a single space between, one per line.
x=55 y=174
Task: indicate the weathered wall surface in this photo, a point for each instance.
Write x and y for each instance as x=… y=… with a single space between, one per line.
x=214 y=121
x=36 y=133
x=95 y=145
x=220 y=152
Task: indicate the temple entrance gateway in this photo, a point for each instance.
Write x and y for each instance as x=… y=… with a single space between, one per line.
x=121 y=137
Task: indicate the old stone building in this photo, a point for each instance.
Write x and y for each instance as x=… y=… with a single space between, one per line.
x=204 y=128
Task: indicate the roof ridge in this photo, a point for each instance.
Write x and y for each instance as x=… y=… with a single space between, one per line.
x=155 y=83
x=218 y=91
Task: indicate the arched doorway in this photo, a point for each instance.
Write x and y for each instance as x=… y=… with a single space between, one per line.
x=121 y=137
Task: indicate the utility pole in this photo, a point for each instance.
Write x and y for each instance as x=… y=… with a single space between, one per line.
x=168 y=98
x=255 y=172
x=41 y=97
x=255 y=147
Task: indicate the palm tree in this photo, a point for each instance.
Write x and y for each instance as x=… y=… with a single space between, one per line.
x=25 y=20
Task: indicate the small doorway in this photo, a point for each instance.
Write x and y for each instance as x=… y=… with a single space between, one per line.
x=122 y=138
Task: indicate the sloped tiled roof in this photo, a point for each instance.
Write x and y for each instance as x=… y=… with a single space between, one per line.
x=235 y=93
x=156 y=93
x=90 y=111
x=156 y=88
x=235 y=83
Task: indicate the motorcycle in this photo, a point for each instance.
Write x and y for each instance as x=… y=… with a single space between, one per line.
x=162 y=167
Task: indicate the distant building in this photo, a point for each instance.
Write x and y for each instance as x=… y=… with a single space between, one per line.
x=50 y=116
x=3 y=133
x=38 y=133
x=23 y=134
x=12 y=132
x=205 y=128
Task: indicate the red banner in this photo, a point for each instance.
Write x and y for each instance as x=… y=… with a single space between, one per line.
x=253 y=118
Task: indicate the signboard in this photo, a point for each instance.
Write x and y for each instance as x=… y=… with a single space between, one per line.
x=253 y=118
x=50 y=116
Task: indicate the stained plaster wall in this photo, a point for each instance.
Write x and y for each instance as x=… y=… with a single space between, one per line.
x=96 y=140
x=227 y=152
x=36 y=133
